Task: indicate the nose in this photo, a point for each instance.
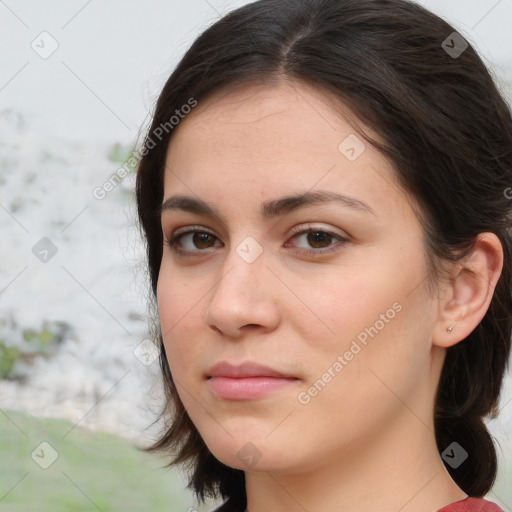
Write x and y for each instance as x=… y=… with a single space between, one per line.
x=244 y=298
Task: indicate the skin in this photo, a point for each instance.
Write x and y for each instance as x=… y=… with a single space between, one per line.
x=366 y=440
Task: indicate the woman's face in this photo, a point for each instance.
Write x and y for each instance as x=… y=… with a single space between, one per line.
x=343 y=311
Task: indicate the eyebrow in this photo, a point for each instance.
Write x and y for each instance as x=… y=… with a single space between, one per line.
x=269 y=209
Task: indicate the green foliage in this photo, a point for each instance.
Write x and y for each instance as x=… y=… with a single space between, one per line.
x=8 y=357
x=50 y=335
x=33 y=343
x=120 y=154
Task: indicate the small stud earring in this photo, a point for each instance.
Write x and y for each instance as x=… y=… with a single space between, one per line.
x=450 y=329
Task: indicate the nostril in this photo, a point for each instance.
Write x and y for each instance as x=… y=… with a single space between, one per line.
x=215 y=329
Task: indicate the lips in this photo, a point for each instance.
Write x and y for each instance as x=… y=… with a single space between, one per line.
x=247 y=381
x=245 y=370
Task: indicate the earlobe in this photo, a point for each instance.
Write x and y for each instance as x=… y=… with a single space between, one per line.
x=470 y=291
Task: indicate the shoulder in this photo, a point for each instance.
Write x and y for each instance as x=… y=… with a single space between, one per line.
x=471 y=504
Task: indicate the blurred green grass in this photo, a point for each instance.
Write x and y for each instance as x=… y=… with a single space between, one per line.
x=93 y=471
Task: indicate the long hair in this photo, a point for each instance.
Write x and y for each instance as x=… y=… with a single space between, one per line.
x=441 y=121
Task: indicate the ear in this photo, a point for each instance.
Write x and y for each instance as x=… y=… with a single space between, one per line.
x=469 y=292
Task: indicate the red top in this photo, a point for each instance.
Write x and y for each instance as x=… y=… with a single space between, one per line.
x=471 y=505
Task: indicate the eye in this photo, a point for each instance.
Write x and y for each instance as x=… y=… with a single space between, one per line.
x=316 y=240
x=197 y=240
x=194 y=240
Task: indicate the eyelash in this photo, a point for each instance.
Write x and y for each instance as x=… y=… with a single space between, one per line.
x=173 y=242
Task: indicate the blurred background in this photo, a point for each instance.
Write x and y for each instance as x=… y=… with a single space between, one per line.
x=79 y=382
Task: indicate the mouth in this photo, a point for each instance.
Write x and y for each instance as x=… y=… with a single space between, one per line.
x=247 y=381
x=247 y=388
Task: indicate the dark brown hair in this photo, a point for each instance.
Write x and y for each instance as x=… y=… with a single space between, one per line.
x=447 y=131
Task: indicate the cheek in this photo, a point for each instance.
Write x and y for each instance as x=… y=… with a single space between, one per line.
x=373 y=315
x=179 y=310
x=334 y=307
x=361 y=379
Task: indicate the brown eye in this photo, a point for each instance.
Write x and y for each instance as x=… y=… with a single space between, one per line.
x=319 y=239
x=194 y=241
x=203 y=240
x=315 y=241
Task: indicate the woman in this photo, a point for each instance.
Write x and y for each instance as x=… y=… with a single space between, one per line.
x=323 y=198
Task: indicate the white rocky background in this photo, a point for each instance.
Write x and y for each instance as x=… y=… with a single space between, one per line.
x=66 y=120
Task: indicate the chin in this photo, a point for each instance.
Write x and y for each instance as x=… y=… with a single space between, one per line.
x=251 y=453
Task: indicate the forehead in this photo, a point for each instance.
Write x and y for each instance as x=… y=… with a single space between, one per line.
x=246 y=107
x=261 y=138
